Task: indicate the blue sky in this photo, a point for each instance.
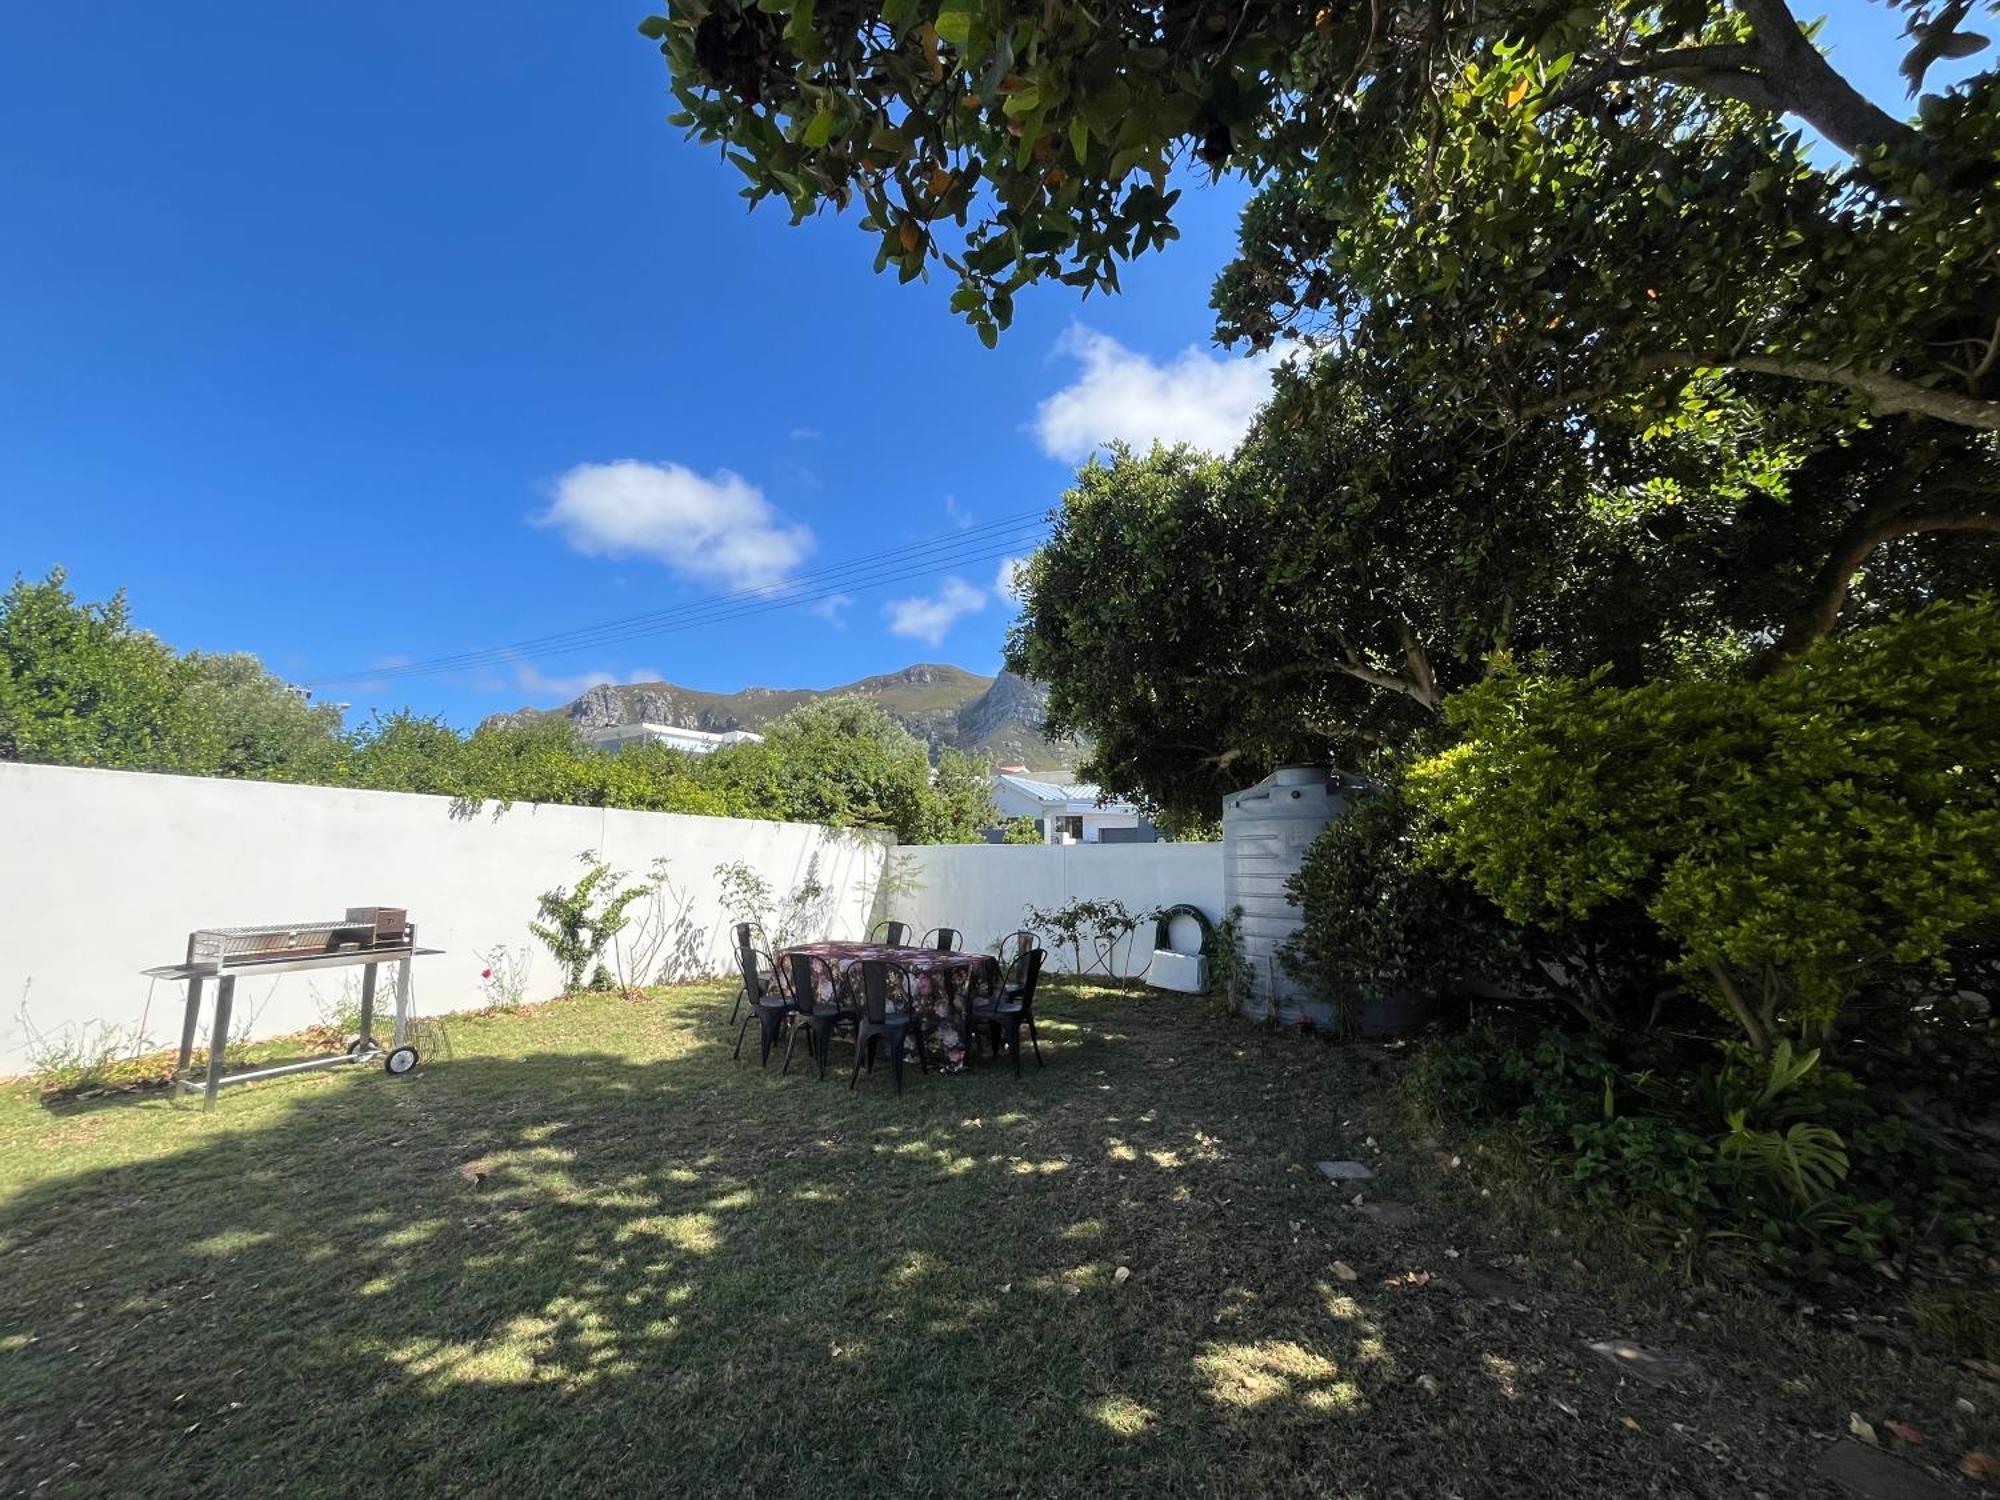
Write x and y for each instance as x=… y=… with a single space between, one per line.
x=379 y=332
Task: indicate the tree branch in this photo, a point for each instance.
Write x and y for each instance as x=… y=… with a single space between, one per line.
x=1806 y=84
x=1887 y=393
x=1836 y=577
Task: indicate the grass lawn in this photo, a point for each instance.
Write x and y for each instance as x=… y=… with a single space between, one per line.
x=591 y=1255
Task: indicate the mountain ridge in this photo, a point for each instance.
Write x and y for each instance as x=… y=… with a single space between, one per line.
x=997 y=719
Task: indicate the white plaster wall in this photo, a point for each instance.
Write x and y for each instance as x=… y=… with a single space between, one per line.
x=103 y=873
x=981 y=888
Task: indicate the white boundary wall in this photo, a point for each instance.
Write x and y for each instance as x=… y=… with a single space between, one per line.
x=103 y=873
x=981 y=888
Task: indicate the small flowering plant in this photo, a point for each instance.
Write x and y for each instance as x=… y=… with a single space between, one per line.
x=504 y=979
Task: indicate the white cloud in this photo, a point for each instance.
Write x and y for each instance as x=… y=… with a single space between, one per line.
x=1122 y=396
x=829 y=609
x=805 y=434
x=532 y=680
x=717 y=530
x=960 y=516
x=1007 y=582
x=927 y=619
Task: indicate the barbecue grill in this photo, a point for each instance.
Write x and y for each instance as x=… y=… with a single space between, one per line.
x=368 y=936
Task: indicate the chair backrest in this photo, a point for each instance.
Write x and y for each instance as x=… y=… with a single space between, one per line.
x=895 y=934
x=885 y=989
x=1025 y=975
x=943 y=939
x=1012 y=946
x=808 y=970
x=746 y=963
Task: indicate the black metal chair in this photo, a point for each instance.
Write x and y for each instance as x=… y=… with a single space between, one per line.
x=888 y=1013
x=941 y=939
x=768 y=1003
x=1013 y=945
x=895 y=934
x=747 y=937
x=1004 y=1015
x=816 y=1014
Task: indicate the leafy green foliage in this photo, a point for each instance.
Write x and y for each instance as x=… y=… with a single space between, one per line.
x=80 y=687
x=1630 y=1121
x=578 y=923
x=1789 y=834
x=1022 y=830
x=1624 y=165
x=1964 y=1323
x=1102 y=926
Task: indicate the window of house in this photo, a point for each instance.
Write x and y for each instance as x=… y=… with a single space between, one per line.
x=1069 y=828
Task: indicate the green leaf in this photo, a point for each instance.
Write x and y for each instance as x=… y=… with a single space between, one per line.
x=954 y=25
x=819 y=130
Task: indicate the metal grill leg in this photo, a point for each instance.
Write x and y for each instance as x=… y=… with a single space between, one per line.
x=188 y=1023
x=403 y=982
x=367 y=1005
x=218 y=1039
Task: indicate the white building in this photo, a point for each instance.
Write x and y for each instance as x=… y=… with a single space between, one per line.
x=1068 y=812
x=694 y=741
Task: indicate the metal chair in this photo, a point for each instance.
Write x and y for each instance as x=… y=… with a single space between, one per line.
x=941 y=939
x=817 y=1014
x=895 y=934
x=1013 y=1008
x=1013 y=945
x=746 y=938
x=768 y=1003
x=888 y=1013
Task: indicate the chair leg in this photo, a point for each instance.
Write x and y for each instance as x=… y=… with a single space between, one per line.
x=822 y=1044
x=797 y=1027
x=736 y=1004
x=739 y=1037
x=917 y=1031
x=769 y=1037
x=855 y=1077
x=896 y=1057
x=1034 y=1041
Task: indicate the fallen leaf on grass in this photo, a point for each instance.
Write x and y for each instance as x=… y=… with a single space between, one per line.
x=1903 y=1430
x=472 y=1172
x=1344 y=1271
x=1427 y=1384
x=1629 y=1422
x=1980 y=1465
x=1862 y=1429
x=1122 y=1275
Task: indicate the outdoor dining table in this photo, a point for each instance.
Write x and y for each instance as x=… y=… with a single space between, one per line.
x=941 y=984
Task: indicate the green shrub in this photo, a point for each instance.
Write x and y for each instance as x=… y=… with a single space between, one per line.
x=1791 y=836
x=1376 y=920
x=1782 y=1158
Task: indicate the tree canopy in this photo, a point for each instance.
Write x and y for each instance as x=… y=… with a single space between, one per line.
x=1556 y=173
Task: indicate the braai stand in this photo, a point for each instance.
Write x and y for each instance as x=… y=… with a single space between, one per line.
x=398 y=1058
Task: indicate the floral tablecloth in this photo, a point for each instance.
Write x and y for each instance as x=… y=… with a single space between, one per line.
x=941 y=984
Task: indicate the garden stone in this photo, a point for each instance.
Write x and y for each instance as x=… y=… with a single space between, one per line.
x=1345 y=1171
x=1395 y=1215
x=1874 y=1475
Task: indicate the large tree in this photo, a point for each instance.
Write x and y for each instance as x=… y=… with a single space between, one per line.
x=1361 y=557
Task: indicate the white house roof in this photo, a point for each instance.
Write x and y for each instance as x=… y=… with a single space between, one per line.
x=1076 y=796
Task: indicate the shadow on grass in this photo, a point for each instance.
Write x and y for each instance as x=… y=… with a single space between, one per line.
x=585 y=1271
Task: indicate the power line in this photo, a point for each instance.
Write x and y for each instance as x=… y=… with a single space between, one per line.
x=984 y=543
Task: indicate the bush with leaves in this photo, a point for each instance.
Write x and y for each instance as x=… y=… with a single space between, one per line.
x=1101 y=926
x=577 y=923
x=1791 y=835
x=1783 y=1158
x=1377 y=921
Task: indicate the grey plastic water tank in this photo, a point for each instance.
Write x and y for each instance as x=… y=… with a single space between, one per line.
x=1265 y=832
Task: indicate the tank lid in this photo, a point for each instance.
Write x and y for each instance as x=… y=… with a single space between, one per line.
x=1301 y=775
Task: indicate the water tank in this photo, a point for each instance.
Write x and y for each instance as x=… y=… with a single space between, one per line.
x=1265 y=831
